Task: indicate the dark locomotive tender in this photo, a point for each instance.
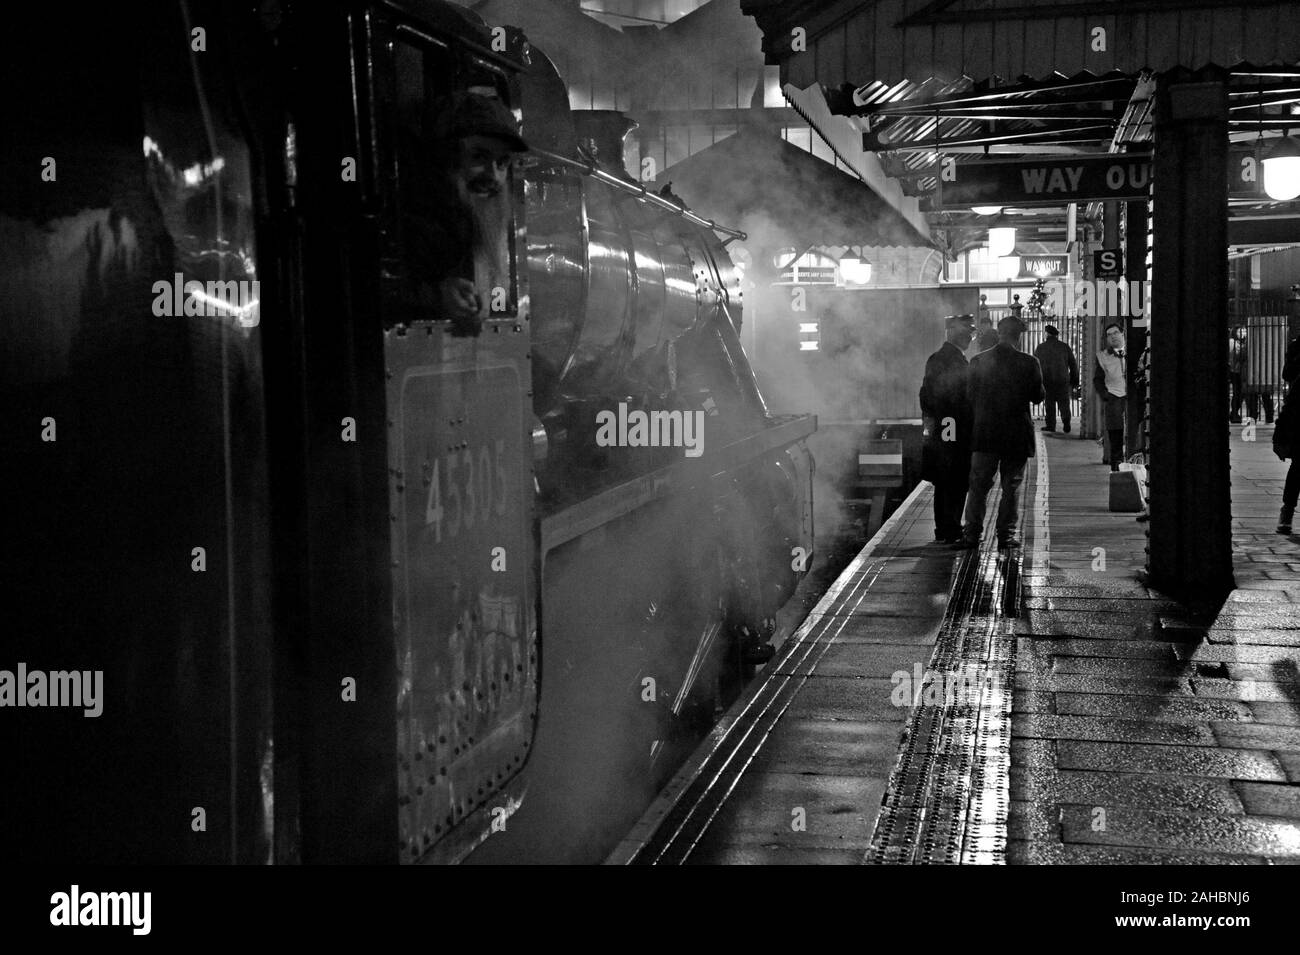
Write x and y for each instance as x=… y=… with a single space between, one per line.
x=232 y=522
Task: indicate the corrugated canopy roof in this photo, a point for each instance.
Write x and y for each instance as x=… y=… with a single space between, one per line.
x=911 y=41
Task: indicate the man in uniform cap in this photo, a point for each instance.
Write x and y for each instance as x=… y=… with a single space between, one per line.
x=945 y=454
x=461 y=229
x=1060 y=376
x=1003 y=382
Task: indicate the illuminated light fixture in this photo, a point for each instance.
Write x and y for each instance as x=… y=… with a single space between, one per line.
x=808 y=327
x=1009 y=265
x=808 y=346
x=1002 y=240
x=855 y=270
x=986 y=210
x=1282 y=170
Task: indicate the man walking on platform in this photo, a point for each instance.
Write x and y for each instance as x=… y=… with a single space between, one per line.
x=1001 y=385
x=1060 y=377
x=945 y=455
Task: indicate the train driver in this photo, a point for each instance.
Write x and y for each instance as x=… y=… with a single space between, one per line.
x=475 y=137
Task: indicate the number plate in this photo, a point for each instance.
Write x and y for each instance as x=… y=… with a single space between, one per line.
x=463 y=592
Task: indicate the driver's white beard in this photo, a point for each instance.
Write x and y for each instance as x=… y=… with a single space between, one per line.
x=490 y=220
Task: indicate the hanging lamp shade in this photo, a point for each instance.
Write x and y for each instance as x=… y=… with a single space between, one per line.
x=1281 y=164
x=1002 y=239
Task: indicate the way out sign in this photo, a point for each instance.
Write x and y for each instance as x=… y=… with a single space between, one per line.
x=1047 y=181
x=1057 y=181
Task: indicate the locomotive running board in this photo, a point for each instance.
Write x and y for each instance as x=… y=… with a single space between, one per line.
x=622 y=499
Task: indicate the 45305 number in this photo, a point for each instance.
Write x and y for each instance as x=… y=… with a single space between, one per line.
x=477 y=484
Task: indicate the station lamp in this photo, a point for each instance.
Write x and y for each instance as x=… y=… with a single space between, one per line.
x=854 y=269
x=1282 y=170
x=1002 y=236
x=1002 y=240
x=986 y=210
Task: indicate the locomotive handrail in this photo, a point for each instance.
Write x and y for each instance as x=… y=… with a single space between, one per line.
x=591 y=169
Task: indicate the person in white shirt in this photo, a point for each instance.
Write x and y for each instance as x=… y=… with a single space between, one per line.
x=1110 y=380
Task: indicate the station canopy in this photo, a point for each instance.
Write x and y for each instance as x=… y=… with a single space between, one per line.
x=755 y=180
x=918 y=82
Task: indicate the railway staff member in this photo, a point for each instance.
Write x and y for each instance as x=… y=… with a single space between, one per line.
x=1110 y=381
x=1003 y=382
x=945 y=455
x=462 y=234
x=1060 y=377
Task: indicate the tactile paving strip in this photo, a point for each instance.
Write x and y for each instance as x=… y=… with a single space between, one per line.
x=949 y=793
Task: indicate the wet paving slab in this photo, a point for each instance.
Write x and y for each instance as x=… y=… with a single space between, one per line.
x=1111 y=667
x=1255 y=736
x=797 y=809
x=1116 y=649
x=1275 y=638
x=1053 y=852
x=1282 y=714
x=847 y=698
x=1202 y=761
x=1109 y=729
x=829 y=747
x=871 y=660
x=1082 y=626
x=878 y=629
x=1177 y=709
x=1033 y=701
x=930 y=605
x=1126 y=826
x=1227 y=689
x=714 y=853
x=1053 y=586
x=1257 y=616
x=1099 y=604
x=1055 y=787
x=1291 y=765
x=1239 y=653
x=1280 y=671
x=1269 y=799
x=1086 y=683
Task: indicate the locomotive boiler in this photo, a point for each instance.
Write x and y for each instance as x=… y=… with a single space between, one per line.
x=360 y=589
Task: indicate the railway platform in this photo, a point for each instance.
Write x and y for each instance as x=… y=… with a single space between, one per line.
x=1042 y=706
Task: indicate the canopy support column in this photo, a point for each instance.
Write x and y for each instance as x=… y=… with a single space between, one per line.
x=1190 y=529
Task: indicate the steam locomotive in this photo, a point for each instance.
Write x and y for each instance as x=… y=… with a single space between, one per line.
x=355 y=588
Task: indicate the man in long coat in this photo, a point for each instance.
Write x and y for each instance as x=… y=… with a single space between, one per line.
x=1003 y=382
x=1060 y=376
x=945 y=455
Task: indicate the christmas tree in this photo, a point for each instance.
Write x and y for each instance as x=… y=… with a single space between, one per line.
x=1037 y=300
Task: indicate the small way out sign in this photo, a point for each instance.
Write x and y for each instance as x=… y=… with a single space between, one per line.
x=1046 y=182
